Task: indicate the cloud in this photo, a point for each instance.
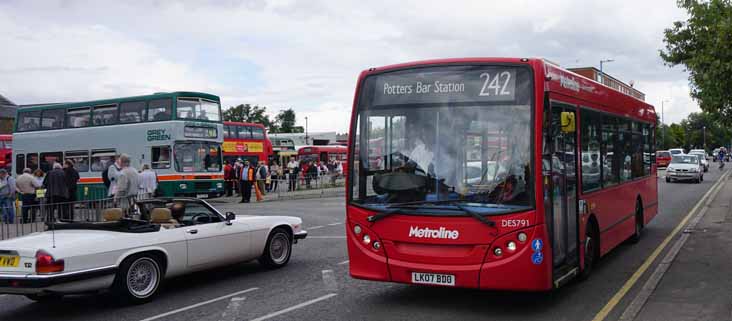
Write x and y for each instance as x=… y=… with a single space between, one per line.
x=308 y=54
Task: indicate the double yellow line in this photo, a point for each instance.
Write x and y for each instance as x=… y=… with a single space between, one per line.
x=610 y=305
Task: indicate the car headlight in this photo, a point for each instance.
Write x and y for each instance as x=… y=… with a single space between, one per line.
x=694 y=169
x=670 y=169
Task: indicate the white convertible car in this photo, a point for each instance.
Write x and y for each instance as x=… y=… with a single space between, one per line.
x=132 y=257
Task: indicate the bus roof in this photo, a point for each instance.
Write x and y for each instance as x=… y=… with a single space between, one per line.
x=323 y=148
x=243 y=124
x=556 y=79
x=159 y=95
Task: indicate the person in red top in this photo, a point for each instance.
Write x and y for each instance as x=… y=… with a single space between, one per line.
x=228 y=178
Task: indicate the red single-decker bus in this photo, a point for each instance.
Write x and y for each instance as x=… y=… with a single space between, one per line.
x=6 y=151
x=493 y=173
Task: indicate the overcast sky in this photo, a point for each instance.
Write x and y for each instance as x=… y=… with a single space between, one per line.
x=307 y=54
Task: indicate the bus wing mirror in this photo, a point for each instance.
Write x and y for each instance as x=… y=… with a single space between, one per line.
x=568 y=122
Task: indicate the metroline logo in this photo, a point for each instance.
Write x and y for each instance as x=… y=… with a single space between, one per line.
x=427 y=233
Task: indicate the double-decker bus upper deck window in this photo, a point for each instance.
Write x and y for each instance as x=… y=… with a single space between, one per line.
x=458 y=133
x=29 y=120
x=199 y=109
x=132 y=112
x=105 y=115
x=159 y=109
x=243 y=132
x=257 y=133
x=227 y=132
x=53 y=118
x=78 y=117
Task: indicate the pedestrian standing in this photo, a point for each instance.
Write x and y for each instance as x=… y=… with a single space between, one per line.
x=148 y=181
x=247 y=179
x=27 y=185
x=128 y=182
x=57 y=191
x=292 y=171
x=311 y=173
x=228 y=178
x=275 y=175
x=7 y=196
x=39 y=175
x=72 y=179
x=261 y=176
x=238 y=165
x=113 y=172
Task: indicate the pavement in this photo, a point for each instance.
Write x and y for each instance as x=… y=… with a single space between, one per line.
x=315 y=285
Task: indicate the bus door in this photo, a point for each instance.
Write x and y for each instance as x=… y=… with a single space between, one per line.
x=560 y=187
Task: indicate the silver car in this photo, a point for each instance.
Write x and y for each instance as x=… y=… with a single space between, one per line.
x=685 y=168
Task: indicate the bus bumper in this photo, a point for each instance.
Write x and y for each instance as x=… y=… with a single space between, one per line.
x=520 y=271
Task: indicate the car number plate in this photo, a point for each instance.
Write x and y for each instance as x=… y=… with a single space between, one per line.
x=9 y=261
x=433 y=278
x=201 y=195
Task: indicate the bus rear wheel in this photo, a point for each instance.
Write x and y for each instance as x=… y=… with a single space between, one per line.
x=592 y=250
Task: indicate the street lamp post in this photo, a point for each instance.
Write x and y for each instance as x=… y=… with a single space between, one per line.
x=601 y=74
x=663 y=132
x=704 y=137
x=306 y=131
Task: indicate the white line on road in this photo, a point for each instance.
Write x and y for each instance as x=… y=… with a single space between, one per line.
x=295 y=307
x=315 y=227
x=344 y=262
x=231 y=313
x=327 y=237
x=198 y=304
x=329 y=280
x=334 y=224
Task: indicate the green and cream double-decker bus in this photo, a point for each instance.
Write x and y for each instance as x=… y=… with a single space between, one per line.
x=178 y=134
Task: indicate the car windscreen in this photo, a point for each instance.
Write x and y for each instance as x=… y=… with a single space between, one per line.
x=685 y=159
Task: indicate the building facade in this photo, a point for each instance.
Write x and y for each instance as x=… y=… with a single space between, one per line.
x=607 y=80
x=7 y=115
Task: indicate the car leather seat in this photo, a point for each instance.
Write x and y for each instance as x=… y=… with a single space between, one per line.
x=112 y=214
x=163 y=217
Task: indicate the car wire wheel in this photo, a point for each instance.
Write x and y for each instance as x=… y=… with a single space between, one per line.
x=143 y=277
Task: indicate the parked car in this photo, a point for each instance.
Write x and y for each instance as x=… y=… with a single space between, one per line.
x=702 y=158
x=699 y=151
x=663 y=158
x=133 y=256
x=685 y=167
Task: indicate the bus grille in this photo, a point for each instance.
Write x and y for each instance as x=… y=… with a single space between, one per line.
x=202 y=185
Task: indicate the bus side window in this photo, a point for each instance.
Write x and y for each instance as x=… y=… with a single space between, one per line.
x=132 y=112
x=48 y=159
x=19 y=163
x=29 y=120
x=32 y=161
x=80 y=159
x=159 y=109
x=105 y=115
x=160 y=157
x=100 y=158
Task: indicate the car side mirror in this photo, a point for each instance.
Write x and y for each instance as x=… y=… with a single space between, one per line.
x=230 y=216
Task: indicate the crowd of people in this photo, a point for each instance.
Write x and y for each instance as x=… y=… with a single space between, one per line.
x=58 y=187
x=242 y=176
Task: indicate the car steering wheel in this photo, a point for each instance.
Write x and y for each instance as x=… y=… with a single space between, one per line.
x=193 y=219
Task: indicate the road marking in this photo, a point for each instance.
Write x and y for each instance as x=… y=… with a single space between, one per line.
x=635 y=306
x=344 y=262
x=199 y=304
x=315 y=227
x=231 y=313
x=637 y=274
x=329 y=280
x=327 y=237
x=295 y=307
x=334 y=224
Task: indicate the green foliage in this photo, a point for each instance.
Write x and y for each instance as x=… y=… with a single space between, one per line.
x=248 y=114
x=693 y=132
x=703 y=45
x=285 y=121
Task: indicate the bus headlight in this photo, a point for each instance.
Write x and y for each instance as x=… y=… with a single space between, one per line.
x=366 y=239
x=511 y=246
x=376 y=245
x=357 y=230
x=497 y=251
x=219 y=185
x=183 y=186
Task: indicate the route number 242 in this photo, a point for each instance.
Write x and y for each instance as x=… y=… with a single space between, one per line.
x=495 y=85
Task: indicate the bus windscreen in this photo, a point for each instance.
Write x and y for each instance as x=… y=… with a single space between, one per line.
x=459 y=133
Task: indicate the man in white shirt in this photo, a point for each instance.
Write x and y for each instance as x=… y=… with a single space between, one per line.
x=27 y=185
x=148 y=180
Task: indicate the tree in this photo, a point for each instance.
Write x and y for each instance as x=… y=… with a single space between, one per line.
x=285 y=121
x=703 y=44
x=248 y=114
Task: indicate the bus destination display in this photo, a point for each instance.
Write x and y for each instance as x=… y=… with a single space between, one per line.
x=481 y=85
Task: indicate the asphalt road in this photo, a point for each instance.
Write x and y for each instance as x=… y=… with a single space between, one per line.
x=316 y=286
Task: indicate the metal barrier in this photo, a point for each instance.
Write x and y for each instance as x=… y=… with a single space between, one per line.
x=31 y=218
x=302 y=187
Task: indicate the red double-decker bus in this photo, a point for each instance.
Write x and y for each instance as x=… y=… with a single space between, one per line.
x=247 y=141
x=324 y=154
x=6 y=151
x=502 y=173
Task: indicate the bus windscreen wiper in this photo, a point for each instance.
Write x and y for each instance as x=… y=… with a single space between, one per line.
x=394 y=209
